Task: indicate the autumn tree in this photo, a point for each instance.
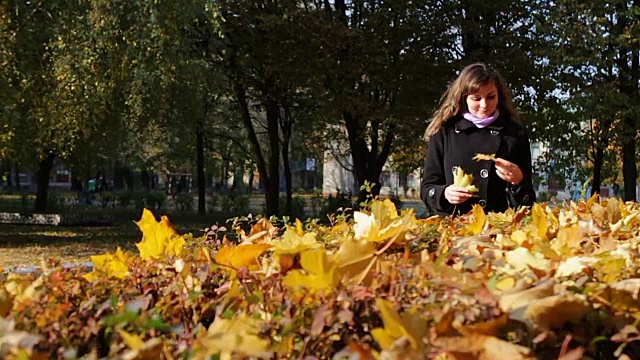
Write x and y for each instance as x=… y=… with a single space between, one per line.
x=593 y=60
x=386 y=63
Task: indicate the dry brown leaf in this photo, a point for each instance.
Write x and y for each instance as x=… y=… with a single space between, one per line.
x=514 y=300
x=401 y=350
x=554 y=311
x=483 y=347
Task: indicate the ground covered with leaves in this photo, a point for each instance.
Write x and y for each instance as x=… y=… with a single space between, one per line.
x=538 y=283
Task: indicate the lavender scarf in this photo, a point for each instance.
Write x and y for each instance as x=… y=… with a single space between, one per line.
x=481 y=122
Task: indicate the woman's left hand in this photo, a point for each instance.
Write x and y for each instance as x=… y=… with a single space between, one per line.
x=508 y=171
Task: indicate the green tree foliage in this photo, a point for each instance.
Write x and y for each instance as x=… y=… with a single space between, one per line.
x=385 y=65
x=592 y=54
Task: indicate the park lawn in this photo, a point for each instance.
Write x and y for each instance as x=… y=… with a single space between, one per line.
x=27 y=245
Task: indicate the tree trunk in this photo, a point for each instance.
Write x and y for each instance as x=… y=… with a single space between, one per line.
x=286 y=124
x=44 y=172
x=629 y=168
x=10 y=178
x=200 y=166
x=287 y=178
x=367 y=164
x=17 y=178
x=267 y=176
x=272 y=190
x=597 y=170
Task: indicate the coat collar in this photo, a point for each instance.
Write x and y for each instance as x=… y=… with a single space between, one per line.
x=463 y=124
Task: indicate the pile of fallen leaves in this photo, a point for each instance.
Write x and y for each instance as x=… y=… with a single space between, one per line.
x=537 y=283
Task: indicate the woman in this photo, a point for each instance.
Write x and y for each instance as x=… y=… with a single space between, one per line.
x=477 y=116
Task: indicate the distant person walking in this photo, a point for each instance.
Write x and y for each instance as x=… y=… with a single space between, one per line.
x=91 y=189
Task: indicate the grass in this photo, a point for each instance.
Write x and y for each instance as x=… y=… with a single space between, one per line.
x=27 y=245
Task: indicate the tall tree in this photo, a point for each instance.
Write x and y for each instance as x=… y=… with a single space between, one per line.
x=265 y=54
x=386 y=65
x=593 y=60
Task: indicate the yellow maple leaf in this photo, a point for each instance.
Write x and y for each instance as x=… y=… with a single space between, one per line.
x=409 y=325
x=592 y=200
x=240 y=256
x=133 y=341
x=540 y=221
x=261 y=232
x=239 y=336
x=463 y=180
x=21 y=288
x=108 y=266
x=383 y=223
x=355 y=258
x=521 y=259
x=479 y=156
x=320 y=272
x=294 y=242
x=568 y=241
x=159 y=239
x=479 y=219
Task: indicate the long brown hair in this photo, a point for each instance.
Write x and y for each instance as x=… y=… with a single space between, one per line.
x=471 y=79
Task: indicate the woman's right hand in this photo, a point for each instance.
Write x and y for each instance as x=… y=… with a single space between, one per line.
x=456 y=194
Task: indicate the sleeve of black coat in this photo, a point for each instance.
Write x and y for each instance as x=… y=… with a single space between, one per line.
x=433 y=178
x=522 y=194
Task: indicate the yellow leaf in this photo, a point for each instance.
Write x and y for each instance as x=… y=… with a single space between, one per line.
x=159 y=239
x=383 y=223
x=568 y=241
x=483 y=347
x=240 y=256
x=410 y=325
x=463 y=180
x=540 y=221
x=239 y=335
x=480 y=156
x=480 y=219
x=506 y=284
x=320 y=272
x=21 y=288
x=554 y=311
x=575 y=265
x=355 y=258
x=260 y=232
x=513 y=300
x=519 y=237
x=132 y=341
x=299 y=228
x=521 y=259
x=108 y=266
x=384 y=210
x=292 y=242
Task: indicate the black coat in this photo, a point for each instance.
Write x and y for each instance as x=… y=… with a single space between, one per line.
x=455 y=144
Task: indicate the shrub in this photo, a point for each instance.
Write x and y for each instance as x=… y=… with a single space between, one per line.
x=155 y=199
x=410 y=290
x=298 y=204
x=233 y=204
x=322 y=206
x=125 y=198
x=54 y=200
x=214 y=201
x=106 y=199
x=184 y=202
